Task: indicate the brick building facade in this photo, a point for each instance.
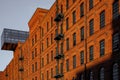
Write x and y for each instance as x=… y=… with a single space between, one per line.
x=88 y=37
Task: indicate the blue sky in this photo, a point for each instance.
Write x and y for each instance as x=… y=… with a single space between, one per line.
x=15 y=14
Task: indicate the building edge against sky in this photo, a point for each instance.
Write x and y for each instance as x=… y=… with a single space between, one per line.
x=91 y=43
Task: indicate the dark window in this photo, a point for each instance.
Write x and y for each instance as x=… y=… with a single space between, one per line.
x=42 y=76
x=47 y=58
x=82 y=57
x=61 y=29
x=42 y=32
x=32 y=68
x=74 y=39
x=61 y=48
x=42 y=47
x=67 y=65
x=91 y=27
x=32 y=78
x=52 y=57
x=67 y=44
x=51 y=38
x=74 y=61
x=115 y=9
x=35 y=52
x=81 y=77
x=67 y=4
x=102 y=74
x=35 y=66
x=42 y=62
x=51 y=21
x=74 y=17
x=91 y=75
x=73 y=1
x=115 y=42
x=61 y=8
x=82 y=10
x=47 y=26
x=61 y=68
x=35 y=78
x=47 y=75
x=102 y=47
x=115 y=72
x=35 y=38
x=33 y=41
x=102 y=19
x=67 y=23
x=33 y=55
x=47 y=43
x=90 y=4
x=51 y=72
x=82 y=33
x=91 y=53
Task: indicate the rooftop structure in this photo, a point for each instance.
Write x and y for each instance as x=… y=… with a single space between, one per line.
x=10 y=38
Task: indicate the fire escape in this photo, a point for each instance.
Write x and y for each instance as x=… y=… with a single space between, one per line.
x=58 y=37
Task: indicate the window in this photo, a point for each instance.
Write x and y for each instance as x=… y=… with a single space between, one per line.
x=82 y=33
x=42 y=62
x=67 y=4
x=61 y=28
x=35 y=78
x=74 y=61
x=91 y=75
x=42 y=76
x=42 y=32
x=35 y=52
x=33 y=41
x=35 y=66
x=32 y=68
x=67 y=44
x=47 y=43
x=35 y=38
x=81 y=77
x=73 y=1
x=61 y=8
x=91 y=27
x=74 y=17
x=61 y=48
x=47 y=26
x=51 y=38
x=52 y=57
x=115 y=8
x=67 y=65
x=102 y=74
x=91 y=53
x=61 y=68
x=32 y=54
x=82 y=10
x=32 y=78
x=102 y=19
x=51 y=21
x=47 y=58
x=42 y=47
x=67 y=23
x=51 y=72
x=74 y=39
x=102 y=47
x=115 y=72
x=115 y=42
x=90 y=4
x=82 y=57
x=47 y=75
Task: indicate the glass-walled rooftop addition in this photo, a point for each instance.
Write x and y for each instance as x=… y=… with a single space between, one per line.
x=10 y=38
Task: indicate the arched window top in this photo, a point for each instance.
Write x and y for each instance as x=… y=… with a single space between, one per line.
x=115 y=71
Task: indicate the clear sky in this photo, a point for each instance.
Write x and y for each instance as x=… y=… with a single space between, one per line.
x=15 y=14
